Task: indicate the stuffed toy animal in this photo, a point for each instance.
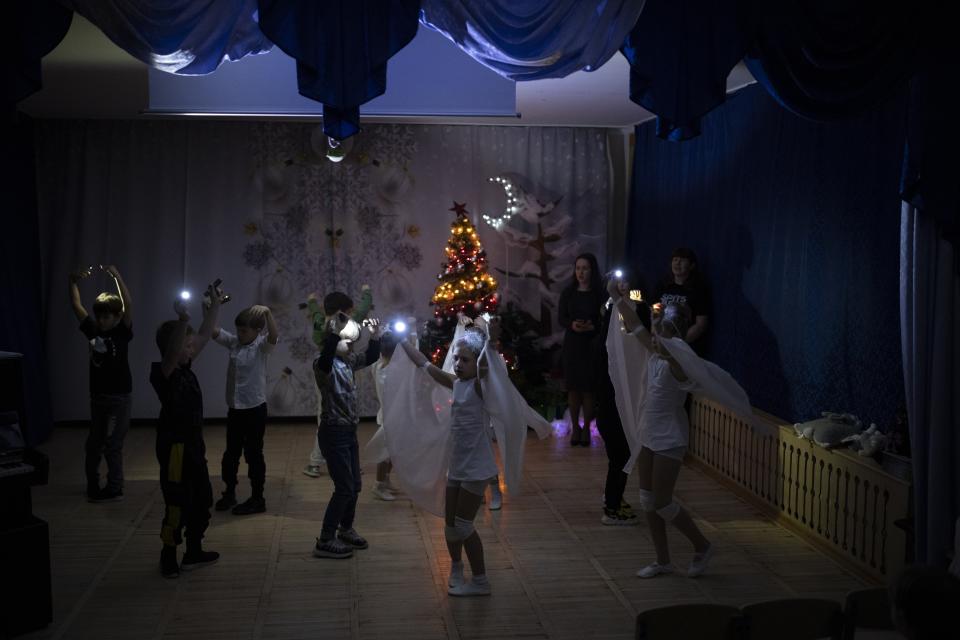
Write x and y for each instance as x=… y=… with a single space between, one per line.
x=830 y=430
x=871 y=441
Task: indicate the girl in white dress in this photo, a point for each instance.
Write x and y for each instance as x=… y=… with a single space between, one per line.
x=472 y=464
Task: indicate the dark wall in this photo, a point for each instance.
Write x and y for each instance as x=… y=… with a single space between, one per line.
x=21 y=314
x=796 y=225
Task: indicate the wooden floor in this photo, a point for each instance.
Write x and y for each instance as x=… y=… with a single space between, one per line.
x=556 y=571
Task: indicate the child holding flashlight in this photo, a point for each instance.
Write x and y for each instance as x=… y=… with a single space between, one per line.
x=181 y=451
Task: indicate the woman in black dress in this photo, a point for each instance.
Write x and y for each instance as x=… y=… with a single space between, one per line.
x=579 y=315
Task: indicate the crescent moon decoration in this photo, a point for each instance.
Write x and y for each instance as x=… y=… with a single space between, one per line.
x=513 y=202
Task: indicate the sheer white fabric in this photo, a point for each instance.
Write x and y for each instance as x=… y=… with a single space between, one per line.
x=628 y=358
x=416 y=412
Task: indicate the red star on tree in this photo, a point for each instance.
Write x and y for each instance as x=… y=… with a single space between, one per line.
x=459 y=208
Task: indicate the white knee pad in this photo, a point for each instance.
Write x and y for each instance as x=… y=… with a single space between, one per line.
x=669 y=512
x=464 y=527
x=646 y=500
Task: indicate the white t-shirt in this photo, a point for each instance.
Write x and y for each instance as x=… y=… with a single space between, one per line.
x=664 y=423
x=247 y=370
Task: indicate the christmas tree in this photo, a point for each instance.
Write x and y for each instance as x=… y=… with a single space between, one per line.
x=465 y=285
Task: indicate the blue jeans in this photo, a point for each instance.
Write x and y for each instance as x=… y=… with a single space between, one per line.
x=109 y=423
x=338 y=443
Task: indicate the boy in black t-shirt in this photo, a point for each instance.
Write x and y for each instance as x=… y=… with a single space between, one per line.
x=181 y=452
x=686 y=286
x=109 y=332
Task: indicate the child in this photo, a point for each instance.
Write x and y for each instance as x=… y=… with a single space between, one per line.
x=246 y=405
x=181 y=452
x=337 y=433
x=319 y=319
x=465 y=324
x=472 y=465
x=109 y=333
x=616 y=511
x=664 y=433
x=377 y=445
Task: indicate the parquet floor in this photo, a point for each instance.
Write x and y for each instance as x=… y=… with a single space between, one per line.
x=556 y=571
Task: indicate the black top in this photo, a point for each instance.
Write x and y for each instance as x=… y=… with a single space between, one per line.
x=181 y=402
x=109 y=369
x=695 y=294
x=579 y=305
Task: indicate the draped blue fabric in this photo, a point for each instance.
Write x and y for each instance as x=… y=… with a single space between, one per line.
x=535 y=39
x=796 y=225
x=824 y=59
x=680 y=55
x=31 y=30
x=189 y=37
x=342 y=48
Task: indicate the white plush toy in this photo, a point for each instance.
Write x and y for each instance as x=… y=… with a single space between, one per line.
x=871 y=441
x=830 y=430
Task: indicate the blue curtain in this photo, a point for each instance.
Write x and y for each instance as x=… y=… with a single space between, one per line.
x=680 y=55
x=797 y=228
x=825 y=60
x=535 y=39
x=341 y=48
x=30 y=31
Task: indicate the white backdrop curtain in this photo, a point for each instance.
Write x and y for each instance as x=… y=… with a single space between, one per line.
x=176 y=204
x=930 y=316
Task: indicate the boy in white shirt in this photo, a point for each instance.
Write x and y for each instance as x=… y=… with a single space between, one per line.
x=247 y=405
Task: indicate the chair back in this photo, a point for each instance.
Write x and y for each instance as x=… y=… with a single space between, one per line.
x=793 y=619
x=689 y=621
x=866 y=609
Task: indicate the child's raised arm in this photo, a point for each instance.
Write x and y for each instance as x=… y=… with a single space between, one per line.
x=171 y=354
x=631 y=321
x=74 y=291
x=124 y=295
x=209 y=322
x=441 y=376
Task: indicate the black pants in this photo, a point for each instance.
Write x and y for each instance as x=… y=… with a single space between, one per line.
x=338 y=443
x=618 y=450
x=187 y=494
x=245 y=428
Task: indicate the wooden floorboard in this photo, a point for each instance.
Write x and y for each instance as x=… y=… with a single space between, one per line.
x=556 y=571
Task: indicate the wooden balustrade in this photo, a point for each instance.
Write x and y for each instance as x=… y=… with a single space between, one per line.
x=843 y=502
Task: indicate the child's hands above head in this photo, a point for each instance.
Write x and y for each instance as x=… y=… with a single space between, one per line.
x=464 y=320
x=112 y=270
x=376 y=327
x=212 y=298
x=336 y=323
x=180 y=308
x=613 y=287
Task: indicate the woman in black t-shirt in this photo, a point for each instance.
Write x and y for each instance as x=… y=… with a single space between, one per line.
x=579 y=314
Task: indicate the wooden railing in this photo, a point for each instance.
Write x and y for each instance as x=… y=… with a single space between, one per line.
x=844 y=503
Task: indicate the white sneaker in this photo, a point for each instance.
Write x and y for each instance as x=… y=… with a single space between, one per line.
x=470 y=588
x=456 y=578
x=496 y=498
x=382 y=492
x=655 y=569
x=312 y=470
x=700 y=560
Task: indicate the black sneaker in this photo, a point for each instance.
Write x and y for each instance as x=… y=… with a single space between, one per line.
x=618 y=518
x=169 y=568
x=352 y=538
x=228 y=500
x=106 y=495
x=332 y=548
x=251 y=505
x=196 y=559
